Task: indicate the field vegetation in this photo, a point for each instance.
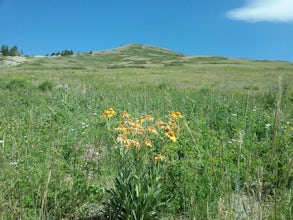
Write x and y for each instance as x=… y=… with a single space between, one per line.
x=141 y=132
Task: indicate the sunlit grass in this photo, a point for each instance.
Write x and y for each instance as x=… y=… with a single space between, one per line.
x=216 y=139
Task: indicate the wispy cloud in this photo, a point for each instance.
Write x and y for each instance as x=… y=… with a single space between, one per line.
x=264 y=10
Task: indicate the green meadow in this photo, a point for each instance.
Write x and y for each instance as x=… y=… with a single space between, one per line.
x=141 y=132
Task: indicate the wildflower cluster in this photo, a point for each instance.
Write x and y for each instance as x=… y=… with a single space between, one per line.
x=148 y=132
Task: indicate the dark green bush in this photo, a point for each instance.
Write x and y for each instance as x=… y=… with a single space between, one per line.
x=46 y=86
x=18 y=84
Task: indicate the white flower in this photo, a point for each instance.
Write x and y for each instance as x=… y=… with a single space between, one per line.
x=13 y=163
x=84 y=125
x=2 y=142
x=234 y=114
x=268 y=126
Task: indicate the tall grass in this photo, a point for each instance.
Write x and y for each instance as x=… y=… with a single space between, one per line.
x=232 y=158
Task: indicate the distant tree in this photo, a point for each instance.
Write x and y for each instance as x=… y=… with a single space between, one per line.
x=13 y=51
x=5 y=50
x=62 y=53
x=66 y=52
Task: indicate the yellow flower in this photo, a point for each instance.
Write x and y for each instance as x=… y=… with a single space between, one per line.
x=140 y=119
x=159 y=157
x=173 y=125
x=148 y=143
x=109 y=113
x=175 y=115
x=123 y=139
x=151 y=130
x=120 y=128
x=125 y=115
x=165 y=126
x=171 y=135
x=136 y=125
x=162 y=124
x=135 y=142
x=103 y=116
x=149 y=118
x=127 y=131
x=139 y=131
x=159 y=122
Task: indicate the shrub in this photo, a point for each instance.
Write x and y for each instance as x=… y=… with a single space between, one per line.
x=18 y=84
x=45 y=86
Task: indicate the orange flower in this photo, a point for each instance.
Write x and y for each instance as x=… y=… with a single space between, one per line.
x=171 y=135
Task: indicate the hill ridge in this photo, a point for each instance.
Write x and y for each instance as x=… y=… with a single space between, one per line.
x=131 y=56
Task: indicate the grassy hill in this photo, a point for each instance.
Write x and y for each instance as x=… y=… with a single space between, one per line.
x=152 y=65
x=141 y=132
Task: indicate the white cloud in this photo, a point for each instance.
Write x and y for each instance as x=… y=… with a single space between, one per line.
x=264 y=10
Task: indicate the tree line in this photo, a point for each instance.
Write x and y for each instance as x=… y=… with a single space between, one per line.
x=62 y=53
x=6 y=51
x=13 y=51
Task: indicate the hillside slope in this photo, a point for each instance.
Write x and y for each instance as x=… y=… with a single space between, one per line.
x=151 y=65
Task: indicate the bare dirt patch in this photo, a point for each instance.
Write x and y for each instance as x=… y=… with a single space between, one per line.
x=12 y=61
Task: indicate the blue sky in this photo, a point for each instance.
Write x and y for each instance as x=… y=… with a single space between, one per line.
x=256 y=29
